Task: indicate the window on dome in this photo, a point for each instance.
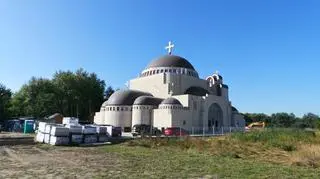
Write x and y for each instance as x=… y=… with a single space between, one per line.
x=158 y=71
x=170 y=70
x=117 y=108
x=161 y=71
x=174 y=71
x=166 y=70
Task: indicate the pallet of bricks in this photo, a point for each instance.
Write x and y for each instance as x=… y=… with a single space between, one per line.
x=54 y=134
x=93 y=134
x=70 y=133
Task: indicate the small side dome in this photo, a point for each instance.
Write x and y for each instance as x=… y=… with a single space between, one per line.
x=197 y=91
x=147 y=100
x=171 y=101
x=104 y=104
x=124 y=97
x=234 y=109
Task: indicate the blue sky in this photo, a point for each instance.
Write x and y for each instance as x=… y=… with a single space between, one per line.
x=267 y=51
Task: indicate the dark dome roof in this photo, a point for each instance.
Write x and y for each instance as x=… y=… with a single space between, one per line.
x=234 y=109
x=147 y=100
x=171 y=101
x=197 y=91
x=125 y=97
x=171 y=61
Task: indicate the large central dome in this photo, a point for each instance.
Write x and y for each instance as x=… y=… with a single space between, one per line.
x=171 y=61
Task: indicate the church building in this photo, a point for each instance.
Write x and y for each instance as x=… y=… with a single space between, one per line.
x=169 y=93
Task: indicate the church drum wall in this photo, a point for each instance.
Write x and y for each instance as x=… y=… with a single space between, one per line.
x=142 y=114
x=119 y=118
x=162 y=118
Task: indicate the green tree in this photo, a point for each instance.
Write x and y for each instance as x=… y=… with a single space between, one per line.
x=308 y=120
x=257 y=117
x=71 y=94
x=5 y=97
x=283 y=120
x=35 y=99
x=80 y=93
x=109 y=91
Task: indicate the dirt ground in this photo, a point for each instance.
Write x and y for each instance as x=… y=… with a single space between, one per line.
x=43 y=161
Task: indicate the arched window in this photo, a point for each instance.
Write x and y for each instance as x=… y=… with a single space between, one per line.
x=117 y=108
x=158 y=71
x=161 y=71
x=166 y=70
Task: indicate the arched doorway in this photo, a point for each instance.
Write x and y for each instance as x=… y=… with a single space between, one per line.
x=215 y=116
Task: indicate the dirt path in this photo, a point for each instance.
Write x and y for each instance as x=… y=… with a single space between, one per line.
x=36 y=161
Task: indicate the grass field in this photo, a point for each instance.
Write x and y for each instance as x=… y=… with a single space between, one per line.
x=260 y=154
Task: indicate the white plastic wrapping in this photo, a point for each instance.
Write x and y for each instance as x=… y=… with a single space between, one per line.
x=101 y=129
x=103 y=138
x=40 y=137
x=42 y=127
x=59 y=131
x=89 y=129
x=74 y=129
x=46 y=138
x=54 y=140
x=76 y=138
x=70 y=120
x=90 y=139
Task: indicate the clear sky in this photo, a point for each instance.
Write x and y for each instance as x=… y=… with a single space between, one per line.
x=267 y=51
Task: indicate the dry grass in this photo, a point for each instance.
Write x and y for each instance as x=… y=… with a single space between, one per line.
x=307 y=155
x=276 y=146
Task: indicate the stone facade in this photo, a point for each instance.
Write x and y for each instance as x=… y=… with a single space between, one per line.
x=187 y=100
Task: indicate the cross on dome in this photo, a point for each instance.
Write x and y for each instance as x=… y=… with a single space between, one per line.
x=169 y=47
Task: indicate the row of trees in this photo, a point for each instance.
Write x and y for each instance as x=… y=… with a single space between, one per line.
x=81 y=94
x=286 y=120
x=70 y=93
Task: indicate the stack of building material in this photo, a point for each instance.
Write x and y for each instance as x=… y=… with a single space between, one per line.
x=40 y=137
x=89 y=134
x=59 y=135
x=102 y=133
x=70 y=120
x=75 y=132
x=42 y=134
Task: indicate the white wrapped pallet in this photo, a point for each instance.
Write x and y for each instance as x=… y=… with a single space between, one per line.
x=47 y=138
x=101 y=129
x=48 y=128
x=76 y=138
x=70 y=120
x=42 y=127
x=103 y=138
x=54 y=140
x=90 y=139
x=109 y=130
x=89 y=129
x=40 y=137
x=59 y=131
x=74 y=129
